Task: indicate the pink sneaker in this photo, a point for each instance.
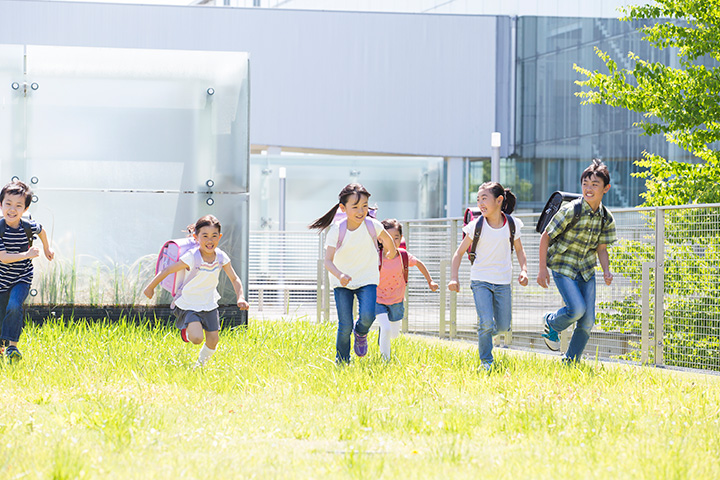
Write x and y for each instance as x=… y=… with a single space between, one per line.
x=183 y=335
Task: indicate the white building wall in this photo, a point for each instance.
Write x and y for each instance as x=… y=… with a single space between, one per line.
x=366 y=82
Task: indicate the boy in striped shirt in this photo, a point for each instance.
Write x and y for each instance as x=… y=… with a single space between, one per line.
x=16 y=269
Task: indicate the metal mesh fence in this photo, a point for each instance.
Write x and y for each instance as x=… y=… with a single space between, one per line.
x=663 y=306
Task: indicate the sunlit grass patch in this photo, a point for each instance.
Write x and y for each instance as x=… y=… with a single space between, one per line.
x=99 y=400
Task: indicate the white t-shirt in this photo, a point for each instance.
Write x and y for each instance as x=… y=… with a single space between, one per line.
x=357 y=256
x=493 y=261
x=200 y=293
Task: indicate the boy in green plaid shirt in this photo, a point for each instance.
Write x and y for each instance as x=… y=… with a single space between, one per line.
x=569 y=249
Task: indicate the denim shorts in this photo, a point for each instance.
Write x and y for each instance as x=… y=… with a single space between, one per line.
x=210 y=321
x=395 y=312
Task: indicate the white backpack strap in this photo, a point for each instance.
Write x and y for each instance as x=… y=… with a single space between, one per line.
x=197 y=261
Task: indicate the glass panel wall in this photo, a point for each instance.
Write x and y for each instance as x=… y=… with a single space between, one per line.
x=123 y=150
x=401 y=187
x=556 y=137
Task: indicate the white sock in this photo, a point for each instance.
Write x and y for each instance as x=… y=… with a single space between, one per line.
x=205 y=353
x=384 y=323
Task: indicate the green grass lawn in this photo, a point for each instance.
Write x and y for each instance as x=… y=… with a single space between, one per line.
x=122 y=401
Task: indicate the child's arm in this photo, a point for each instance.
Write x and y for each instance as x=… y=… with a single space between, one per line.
x=49 y=253
x=454 y=285
x=543 y=277
x=522 y=260
x=237 y=285
x=604 y=258
x=150 y=289
x=388 y=244
x=329 y=256
x=421 y=266
x=6 y=257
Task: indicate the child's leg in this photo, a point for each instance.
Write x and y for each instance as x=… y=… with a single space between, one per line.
x=344 y=304
x=502 y=308
x=574 y=308
x=367 y=296
x=194 y=332
x=483 y=296
x=210 y=323
x=581 y=335
x=14 y=320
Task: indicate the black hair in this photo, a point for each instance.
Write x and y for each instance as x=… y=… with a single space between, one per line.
x=509 y=200
x=354 y=190
x=597 y=168
x=16 y=187
x=389 y=223
x=206 y=221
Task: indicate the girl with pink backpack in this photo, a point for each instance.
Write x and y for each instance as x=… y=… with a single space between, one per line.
x=195 y=299
x=351 y=256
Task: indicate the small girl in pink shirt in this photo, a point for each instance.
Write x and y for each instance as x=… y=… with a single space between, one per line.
x=390 y=309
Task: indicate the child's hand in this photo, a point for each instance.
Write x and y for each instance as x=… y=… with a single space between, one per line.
x=49 y=253
x=32 y=252
x=345 y=279
x=433 y=286
x=608 y=277
x=243 y=304
x=149 y=292
x=543 y=278
x=523 y=278
x=454 y=286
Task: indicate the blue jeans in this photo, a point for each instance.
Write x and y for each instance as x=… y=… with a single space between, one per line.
x=11 y=308
x=493 y=304
x=366 y=296
x=395 y=312
x=579 y=298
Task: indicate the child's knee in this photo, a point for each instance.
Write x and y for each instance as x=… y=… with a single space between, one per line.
x=576 y=312
x=394 y=329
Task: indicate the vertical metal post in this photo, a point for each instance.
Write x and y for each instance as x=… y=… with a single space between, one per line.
x=443 y=290
x=645 y=327
x=453 y=295
x=404 y=324
x=659 y=284
x=282 y=172
x=495 y=142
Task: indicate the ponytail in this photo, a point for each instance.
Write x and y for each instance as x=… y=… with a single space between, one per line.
x=326 y=220
x=509 y=199
x=508 y=205
x=352 y=190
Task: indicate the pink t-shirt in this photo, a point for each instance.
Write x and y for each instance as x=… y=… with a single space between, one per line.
x=391 y=288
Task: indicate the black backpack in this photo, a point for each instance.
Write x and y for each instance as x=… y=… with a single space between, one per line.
x=25 y=226
x=556 y=200
x=470 y=215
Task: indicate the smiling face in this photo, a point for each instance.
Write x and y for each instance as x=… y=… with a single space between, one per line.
x=208 y=238
x=488 y=204
x=356 y=210
x=593 y=189
x=13 y=208
x=395 y=235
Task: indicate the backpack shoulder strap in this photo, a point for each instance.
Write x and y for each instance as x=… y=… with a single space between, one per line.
x=27 y=228
x=2 y=227
x=476 y=238
x=511 y=225
x=577 y=212
x=342 y=230
x=405 y=263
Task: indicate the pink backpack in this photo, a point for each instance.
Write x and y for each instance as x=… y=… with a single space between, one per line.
x=170 y=254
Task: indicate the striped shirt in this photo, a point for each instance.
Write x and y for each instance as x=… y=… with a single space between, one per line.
x=15 y=241
x=575 y=251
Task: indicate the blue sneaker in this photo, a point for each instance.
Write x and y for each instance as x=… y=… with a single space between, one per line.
x=13 y=354
x=360 y=346
x=551 y=337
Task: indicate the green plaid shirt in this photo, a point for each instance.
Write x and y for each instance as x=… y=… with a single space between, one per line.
x=574 y=251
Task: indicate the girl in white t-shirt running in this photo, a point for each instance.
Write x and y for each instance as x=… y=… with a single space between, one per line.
x=491 y=273
x=351 y=256
x=196 y=307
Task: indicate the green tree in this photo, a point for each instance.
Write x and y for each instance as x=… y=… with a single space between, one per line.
x=682 y=103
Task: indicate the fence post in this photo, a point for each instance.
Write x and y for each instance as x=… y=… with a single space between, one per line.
x=659 y=284
x=404 y=324
x=443 y=290
x=320 y=288
x=453 y=295
x=645 y=327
